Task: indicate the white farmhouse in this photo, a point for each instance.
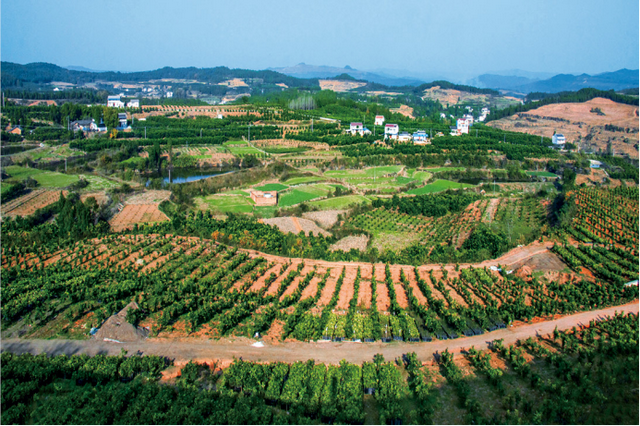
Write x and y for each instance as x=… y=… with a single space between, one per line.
x=356 y=128
x=469 y=119
x=462 y=126
x=379 y=121
x=133 y=103
x=404 y=137
x=420 y=137
x=391 y=131
x=558 y=139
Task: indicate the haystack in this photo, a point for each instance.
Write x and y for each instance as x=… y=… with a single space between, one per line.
x=117 y=328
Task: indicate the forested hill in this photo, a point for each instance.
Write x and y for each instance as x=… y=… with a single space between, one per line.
x=16 y=75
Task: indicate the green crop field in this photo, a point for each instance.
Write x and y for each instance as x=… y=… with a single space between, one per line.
x=439 y=185
x=241 y=148
x=303 y=193
x=339 y=202
x=303 y=179
x=228 y=203
x=45 y=178
x=542 y=174
x=421 y=175
x=445 y=169
x=272 y=187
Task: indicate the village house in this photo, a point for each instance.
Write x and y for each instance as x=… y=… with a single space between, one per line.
x=133 y=103
x=420 y=137
x=391 y=131
x=356 y=128
x=404 y=137
x=115 y=102
x=264 y=198
x=87 y=125
x=379 y=121
x=122 y=120
x=462 y=126
x=558 y=140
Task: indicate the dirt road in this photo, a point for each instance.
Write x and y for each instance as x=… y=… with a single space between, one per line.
x=205 y=350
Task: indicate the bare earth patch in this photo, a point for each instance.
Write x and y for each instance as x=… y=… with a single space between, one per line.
x=296 y=225
x=358 y=242
x=325 y=219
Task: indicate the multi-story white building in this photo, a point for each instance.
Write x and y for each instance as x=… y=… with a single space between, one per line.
x=558 y=139
x=115 y=102
x=462 y=125
x=404 y=137
x=379 y=121
x=133 y=103
x=391 y=131
x=420 y=137
x=356 y=128
x=469 y=119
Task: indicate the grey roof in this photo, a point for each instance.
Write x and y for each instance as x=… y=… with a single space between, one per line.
x=122 y=115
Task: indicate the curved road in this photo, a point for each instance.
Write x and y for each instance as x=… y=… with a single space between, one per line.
x=330 y=352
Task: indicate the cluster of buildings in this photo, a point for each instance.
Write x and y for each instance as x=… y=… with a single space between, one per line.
x=116 y=102
x=90 y=125
x=391 y=131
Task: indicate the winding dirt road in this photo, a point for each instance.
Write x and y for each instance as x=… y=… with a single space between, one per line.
x=331 y=353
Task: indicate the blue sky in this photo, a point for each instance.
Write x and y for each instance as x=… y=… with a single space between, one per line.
x=461 y=38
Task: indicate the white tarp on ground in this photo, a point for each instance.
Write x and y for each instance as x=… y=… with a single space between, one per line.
x=258 y=345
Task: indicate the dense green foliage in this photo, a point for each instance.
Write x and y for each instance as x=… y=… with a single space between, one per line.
x=434 y=205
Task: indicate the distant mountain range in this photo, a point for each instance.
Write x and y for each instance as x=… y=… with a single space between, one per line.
x=33 y=76
x=303 y=70
x=617 y=80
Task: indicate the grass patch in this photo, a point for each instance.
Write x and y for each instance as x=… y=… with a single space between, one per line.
x=303 y=193
x=272 y=187
x=265 y=211
x=404 y=180
x=97 y=183
x=45 y=178
x=439 y=185
x=422 y=175
x=445 y=169
x=339 y=202
x=543 y=174
x=229 y=203
x=303 y=179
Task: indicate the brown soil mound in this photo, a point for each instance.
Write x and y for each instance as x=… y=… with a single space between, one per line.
x=296 y=225
x=524 y=272
x=117 y=328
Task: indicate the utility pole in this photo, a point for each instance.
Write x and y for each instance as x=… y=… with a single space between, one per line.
x=65 y=165
x=249 y=138
x=312 y=125
x=200 y=132
x=145 y=132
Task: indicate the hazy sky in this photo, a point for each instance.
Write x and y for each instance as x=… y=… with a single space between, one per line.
x=464 y=37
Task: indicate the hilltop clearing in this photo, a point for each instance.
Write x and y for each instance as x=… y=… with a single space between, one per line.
x=589 y=125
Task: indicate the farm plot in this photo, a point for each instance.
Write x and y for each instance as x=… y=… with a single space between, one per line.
x=29 y=203
x=45 y=179
x=438 y=186
x=303 y=193
x=226 y=203
x=242 y=148
x=132 y=214
x=243 y=292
